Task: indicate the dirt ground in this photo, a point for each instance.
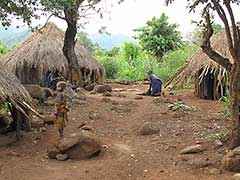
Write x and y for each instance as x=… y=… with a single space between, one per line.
x=126 y=154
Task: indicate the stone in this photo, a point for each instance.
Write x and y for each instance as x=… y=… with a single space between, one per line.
x=35 y=91
x=94 y=115
x=67 y=143
x=108 y=94
x=62 y=157
x=106 y=100
x=218 y=143
x=87 y=128
x=231 y=161
x=90 y=87
x=192 y=149
x=48 y=92
x=138 y=97
x=49 y=119
x=149 y=129
x=102 y=88
x=236 y=176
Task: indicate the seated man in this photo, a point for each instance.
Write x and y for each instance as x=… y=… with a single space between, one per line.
x=155 y=88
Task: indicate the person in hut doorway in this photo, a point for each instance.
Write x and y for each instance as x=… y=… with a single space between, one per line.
x=61 y=119
x=155 y=88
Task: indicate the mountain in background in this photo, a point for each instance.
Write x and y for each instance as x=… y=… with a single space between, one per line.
x=13 y=35
x=109 y=41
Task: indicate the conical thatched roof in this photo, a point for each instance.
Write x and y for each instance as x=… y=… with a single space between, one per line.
x=12 y=91
x=201 y=61
x=42 y=52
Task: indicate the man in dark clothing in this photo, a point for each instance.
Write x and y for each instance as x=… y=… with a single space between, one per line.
x=155 y=88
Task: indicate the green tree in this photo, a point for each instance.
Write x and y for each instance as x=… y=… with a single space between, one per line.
x=72 y=11
x=115 y=51
x=3 y=49
x=158 y=36
x=130 y=52
x=195 y=37
x=24 y=9
x=232 y=29
x=87 y=42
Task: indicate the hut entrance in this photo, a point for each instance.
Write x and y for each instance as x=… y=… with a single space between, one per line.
x=207 y=87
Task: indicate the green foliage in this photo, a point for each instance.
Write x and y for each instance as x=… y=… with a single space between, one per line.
x=86 y=42
x=158 y=36
x=130 y=52
x=3 y=49
x=195 y=37
x=226 y=108
x=5 y=109
x=180 y=106
x=24 y=9
x=174 y=60
x=214 y=136
x=111 y=66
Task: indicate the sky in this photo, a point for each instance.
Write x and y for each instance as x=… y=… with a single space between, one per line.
x=132 y=14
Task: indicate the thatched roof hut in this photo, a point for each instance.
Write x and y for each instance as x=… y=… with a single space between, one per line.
x=42 y=52
x=13 y=92
x=210 y=77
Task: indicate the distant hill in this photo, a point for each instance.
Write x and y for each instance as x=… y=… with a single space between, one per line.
x=109 y=41
x=13 y=35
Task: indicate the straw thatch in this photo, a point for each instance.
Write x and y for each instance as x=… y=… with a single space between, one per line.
x=12 y=91
x=200 y=65
x=42 y=52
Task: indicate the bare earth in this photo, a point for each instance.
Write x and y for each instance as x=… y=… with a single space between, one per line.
x=126 y=154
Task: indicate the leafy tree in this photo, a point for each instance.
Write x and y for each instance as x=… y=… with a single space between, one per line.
x=3 y=49
x=115 y=51
x=71 y=12
x=21 y=9
x=130 y=52
x=196 y=36
x=158 y=36
x=224 y=9
x=86 y=42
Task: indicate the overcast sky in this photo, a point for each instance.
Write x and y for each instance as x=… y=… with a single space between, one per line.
x=134 y=13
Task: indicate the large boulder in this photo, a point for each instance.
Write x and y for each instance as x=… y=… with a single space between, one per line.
x=102 y=88
x=231 y=161
x=80 y=146
x=35 y=91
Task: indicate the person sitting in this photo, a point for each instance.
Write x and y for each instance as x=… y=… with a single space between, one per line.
x=155 y=88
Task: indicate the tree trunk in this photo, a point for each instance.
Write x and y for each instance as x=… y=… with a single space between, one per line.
x=235 y=105
x=75 y=74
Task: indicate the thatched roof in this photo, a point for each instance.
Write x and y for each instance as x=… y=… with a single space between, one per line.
x=11 y=90
x=201 y=61
x=42 y=52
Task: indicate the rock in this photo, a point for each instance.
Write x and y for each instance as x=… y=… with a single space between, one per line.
x=37 y=123
x=108 y=94
x=106 y=100
x=62 y=157
x=82 y=97
x=231 y=161
x=102 y=88
x=218 y=143
x=93 y=92
x=49 y=119
x=48 y=92
x=53 y=152
x=192 y=149
x=94 y=115
x=67 y=143
x=87 y=147
x=80 y=146
x=236 y=176
x=90 y=87
x=120 y=95
x=149 y=129
x=87 y=128
x=138 y=97
x=214 y=171
x=35 y=91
